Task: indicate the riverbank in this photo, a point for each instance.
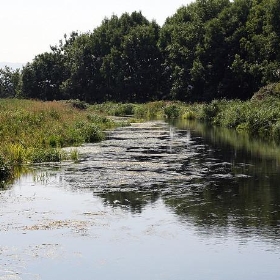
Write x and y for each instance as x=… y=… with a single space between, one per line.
x=35 y=131
x=259 y=117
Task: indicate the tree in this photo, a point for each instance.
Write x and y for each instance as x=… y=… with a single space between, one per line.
x=42 y=78
x=10 y=82
x=132 y=71
x=183 y=42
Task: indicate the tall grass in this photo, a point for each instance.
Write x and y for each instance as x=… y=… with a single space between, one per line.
x=150 y=110
x=260 y=118
x=34 y=131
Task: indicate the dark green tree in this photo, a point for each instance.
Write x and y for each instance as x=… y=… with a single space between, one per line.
x=133 y=69
x=182 y=42
x=10 y=82
x=42 y=78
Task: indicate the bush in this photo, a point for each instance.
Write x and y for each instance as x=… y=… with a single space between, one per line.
x=233 y=114
x=82 y=105
x=210 y=111
x=93 y=133
x=124 y=110
x=172 y=111
x=271 y=90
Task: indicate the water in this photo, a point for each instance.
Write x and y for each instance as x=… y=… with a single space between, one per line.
x=153 y=201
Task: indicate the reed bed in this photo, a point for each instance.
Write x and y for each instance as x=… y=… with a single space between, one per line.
x=35 y=131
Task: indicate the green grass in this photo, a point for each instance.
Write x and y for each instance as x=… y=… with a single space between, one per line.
x=34 y=131
x=259 y=118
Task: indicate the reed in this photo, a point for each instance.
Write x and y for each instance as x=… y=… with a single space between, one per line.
x=34 y=131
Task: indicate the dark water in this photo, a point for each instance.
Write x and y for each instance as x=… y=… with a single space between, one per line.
x=153 y=201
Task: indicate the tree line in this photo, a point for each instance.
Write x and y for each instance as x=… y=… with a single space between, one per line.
x=207 y=50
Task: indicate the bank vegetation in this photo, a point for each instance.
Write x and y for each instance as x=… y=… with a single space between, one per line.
x=216 y=61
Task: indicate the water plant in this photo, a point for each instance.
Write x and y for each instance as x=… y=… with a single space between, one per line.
x=257 y=117
x=74 y=155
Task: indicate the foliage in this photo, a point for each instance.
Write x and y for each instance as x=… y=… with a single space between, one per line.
x=171 y=111
x=34 y=131
x=271 y=90
x=207 y=50
x=40 y=155
x=78 y=104
x=10 y=82
x=258 y=118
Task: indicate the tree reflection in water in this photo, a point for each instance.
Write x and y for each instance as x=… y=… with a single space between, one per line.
x=230 y=188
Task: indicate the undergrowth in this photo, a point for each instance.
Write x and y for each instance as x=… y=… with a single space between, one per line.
x=34 y=131
x=260 y=118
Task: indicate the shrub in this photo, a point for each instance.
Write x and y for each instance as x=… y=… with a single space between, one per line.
x=172 y=111
x=271 y=90
x=210 y=111
x=233 y=114
x=93 y=133
x=124 y=110
x=76 y=103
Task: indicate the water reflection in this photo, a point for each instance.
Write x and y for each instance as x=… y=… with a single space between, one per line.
x=249 y=198
x=132 y=201
x=17 y=172
x=201 y=175
x=169 y=201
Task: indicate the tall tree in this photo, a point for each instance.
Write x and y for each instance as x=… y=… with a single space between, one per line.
x=10 y=82
x=42 y=78
x=182 y=39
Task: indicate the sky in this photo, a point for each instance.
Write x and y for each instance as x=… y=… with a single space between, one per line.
x=29 y=27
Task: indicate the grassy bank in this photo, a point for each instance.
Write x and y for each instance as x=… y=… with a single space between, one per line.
x=151 y=110
x=259 y=117
x=34 y=131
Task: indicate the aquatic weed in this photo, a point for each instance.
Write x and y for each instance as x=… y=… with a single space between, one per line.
x=74 y=155
x=46 y=155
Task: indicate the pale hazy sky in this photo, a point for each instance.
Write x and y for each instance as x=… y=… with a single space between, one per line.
x=29 y=27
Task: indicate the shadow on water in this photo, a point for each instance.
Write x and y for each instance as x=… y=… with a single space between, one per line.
x=132 y=201
x=213 y=178
x=17 y=172
x=240 y=191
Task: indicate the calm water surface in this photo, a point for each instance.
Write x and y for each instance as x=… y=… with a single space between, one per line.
x=154 y=201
